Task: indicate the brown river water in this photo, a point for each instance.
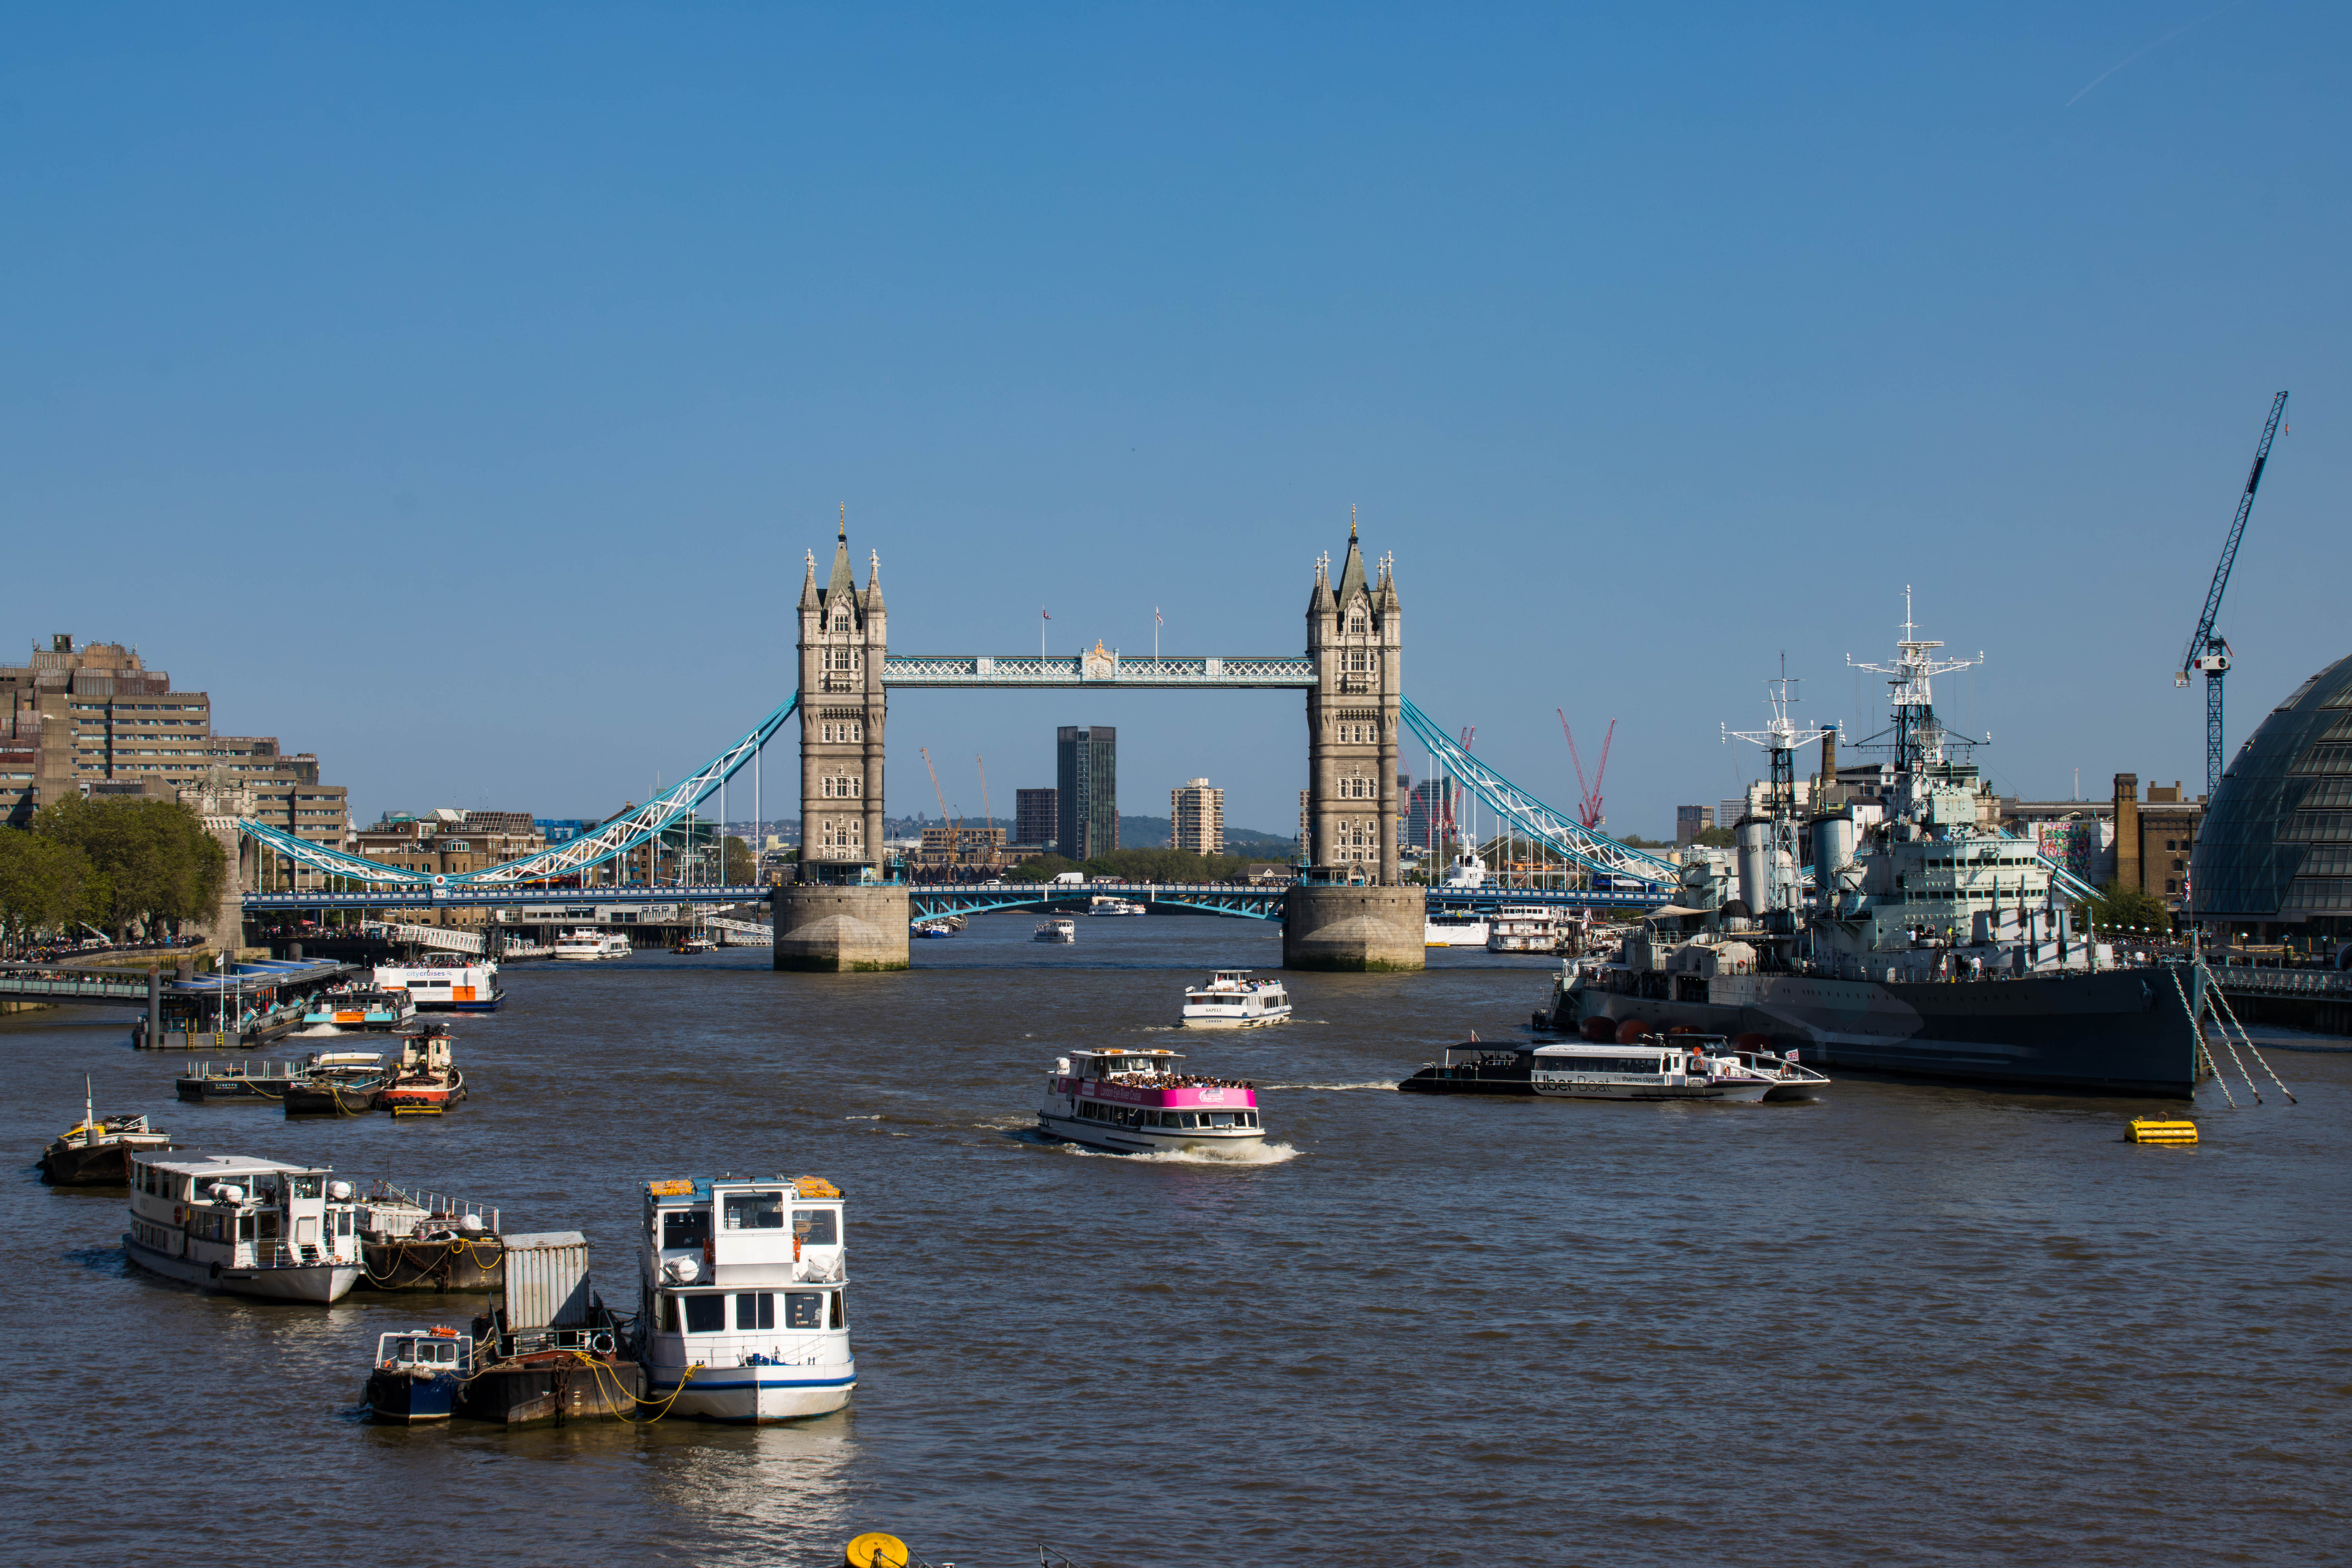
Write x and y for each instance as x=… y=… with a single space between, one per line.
x=1904 y=1324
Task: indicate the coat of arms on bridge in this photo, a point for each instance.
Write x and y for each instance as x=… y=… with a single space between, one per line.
x=1101 y=665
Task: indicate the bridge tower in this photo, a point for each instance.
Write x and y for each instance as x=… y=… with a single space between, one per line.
x=1356 y=633
x=844 y=634
x=833 y=919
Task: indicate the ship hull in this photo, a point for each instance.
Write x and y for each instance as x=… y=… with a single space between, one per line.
x=2116 y=1032
x=319 y=1283
x=751 y=1395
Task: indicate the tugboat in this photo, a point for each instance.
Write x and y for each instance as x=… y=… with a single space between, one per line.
x=426 y=1082
x=339 y=1083
x=97 y=1153
x=743 y=1313
x=1231 y=1000
x=244 y=1226
x=1138 y=1102
x=419 y=1374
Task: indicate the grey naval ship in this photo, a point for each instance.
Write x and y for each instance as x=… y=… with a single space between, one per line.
x=1929 y=944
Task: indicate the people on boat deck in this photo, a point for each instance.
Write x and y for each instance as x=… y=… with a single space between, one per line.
x=1181 y=1080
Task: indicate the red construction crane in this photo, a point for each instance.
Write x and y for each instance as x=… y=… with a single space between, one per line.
x=1588 y=806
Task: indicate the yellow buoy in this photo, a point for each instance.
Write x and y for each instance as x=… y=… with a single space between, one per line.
x=2145 y=1130
x=876 y=1550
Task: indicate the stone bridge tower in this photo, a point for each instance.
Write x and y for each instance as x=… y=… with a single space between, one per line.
x=1356 y=633
x=844 y=632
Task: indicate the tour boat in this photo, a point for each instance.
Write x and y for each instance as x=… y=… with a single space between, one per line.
x=1231 y=1000
x=444 y=985
x=419 y=1374
x=589 y=945
x=1104 y=904
x=1137 y=1102
x=243 y=1227
x=1703 y=1068
x=337 y=1083
x=933 y=930
x=95 y=1152
x=742 y=1305
x=426 y=1078
x=1055 y=930
x=1455 y=931
x=360 y=1008
x=1524 y=928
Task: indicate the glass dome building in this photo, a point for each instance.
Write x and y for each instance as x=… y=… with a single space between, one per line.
x=2273 y=859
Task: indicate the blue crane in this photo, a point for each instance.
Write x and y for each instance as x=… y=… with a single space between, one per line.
x=2207 y=650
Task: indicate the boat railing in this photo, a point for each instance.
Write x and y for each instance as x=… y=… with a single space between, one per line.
x=267 y=1069
x=436 y=1205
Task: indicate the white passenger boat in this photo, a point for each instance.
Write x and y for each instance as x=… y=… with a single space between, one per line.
x=1231 y=1000
x=1668 y=1066
x=742 y=1307
x=1055 y=930
x=1524 y=928
x=244 y=1226
x=444 y=985
x=1104 y=904
x=1137 y=1102
x=589 y=945
x=1454 y=931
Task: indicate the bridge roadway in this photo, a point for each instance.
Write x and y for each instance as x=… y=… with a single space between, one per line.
x=927 y=900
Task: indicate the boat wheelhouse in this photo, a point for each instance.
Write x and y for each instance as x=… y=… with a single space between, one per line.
x=1231 y=1000
x=445 y=983
x=742 y=1310
x=419 y=1374
x=244 y=1226
x=1138 y=1102
x=427 y=1078
x=590 y=945
x=1056 y=930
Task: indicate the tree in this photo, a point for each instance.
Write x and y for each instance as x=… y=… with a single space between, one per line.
x=742 y=865
x=1635 y=841
x=43 y=884
x=151 y=861
x=2118 y=907
x=1714 y=837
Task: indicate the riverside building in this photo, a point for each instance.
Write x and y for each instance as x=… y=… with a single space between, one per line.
x=1196 y=817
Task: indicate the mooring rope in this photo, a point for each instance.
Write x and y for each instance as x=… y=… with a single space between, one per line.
x=2227 y=1012
x=2196 y=1028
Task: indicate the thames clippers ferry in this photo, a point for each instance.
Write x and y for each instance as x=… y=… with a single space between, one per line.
x=1138 y=1102
x=742 y=1309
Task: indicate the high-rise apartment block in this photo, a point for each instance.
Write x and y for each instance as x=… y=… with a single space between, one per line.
x=1690 y=821
x=94 y=719
x=1085 y=766
x=1034 y=818
x=1196 y=817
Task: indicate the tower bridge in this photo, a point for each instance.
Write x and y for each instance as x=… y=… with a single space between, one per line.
x=1348 y=911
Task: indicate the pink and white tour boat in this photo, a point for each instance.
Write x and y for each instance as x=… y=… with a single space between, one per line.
x=1138 y=1102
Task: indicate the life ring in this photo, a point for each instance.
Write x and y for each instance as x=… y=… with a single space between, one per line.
x=602 y=1342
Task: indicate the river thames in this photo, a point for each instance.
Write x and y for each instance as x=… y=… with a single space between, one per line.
x=1903 y=1324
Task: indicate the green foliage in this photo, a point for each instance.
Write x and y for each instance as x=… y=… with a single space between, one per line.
x=1635 y=841
x=43 y=884
x=2118 y=907
x=150 y=861
x=1044 y=868
x=742 y=866
x=1138 y=866
x=1714 y=837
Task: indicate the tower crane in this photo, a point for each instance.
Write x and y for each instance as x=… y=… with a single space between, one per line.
x=2207 y=650
x=1588 y=806
x=957 y=840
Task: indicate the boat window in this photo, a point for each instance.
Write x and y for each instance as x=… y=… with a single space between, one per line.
x=755 y=1211
x=840 y=1309
x=803 y=1309
x=668 y=1314
x=755 y=1309
x=705 y=1314
x=816 y=1227
x=1220 y=1118
x=269 y=1219
x=343 y=1222
x=685 y=1228
x=244 y=1227
x=1190 y=1118
x=307 y=1186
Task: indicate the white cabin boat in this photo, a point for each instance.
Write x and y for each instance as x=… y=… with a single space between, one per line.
x=1104 y=904
x=743 y=1298
x=444 y=985
x=1139 y=1102
x=1055 y=930
x=589 y=945
x=244 y=1226
x=1455 y=931
x=1663 y=1067
x=1231 y=1000
x=1524 y=928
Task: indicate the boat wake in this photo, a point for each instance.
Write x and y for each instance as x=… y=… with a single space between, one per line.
x=1259 y=1154
x=318 y=1029
x=1389 y=1084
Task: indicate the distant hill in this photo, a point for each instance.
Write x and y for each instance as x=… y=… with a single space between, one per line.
x=1152 y=833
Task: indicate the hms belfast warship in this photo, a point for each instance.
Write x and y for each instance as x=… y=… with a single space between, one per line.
x=1931 y=944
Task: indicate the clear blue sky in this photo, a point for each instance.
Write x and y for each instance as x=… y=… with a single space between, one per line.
x=455 y=391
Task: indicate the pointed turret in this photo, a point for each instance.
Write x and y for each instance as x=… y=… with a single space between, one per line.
x=873 y=581
x=1351 y=571
x=1318 y=598
x=808 y=585
x=1384 y=598
x=845 y=582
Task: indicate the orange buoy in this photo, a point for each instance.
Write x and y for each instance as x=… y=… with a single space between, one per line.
x=1597 y=1029
x=1630 y=1030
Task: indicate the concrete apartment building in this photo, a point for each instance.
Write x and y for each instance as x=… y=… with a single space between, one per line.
x=1196 y=817
x=94 y=719
x=1035 y=817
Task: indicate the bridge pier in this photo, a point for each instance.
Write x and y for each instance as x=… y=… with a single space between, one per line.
x=829 y=929
x=1361 y=930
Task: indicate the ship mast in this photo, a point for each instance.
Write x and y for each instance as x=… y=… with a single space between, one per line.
x=1780 y=738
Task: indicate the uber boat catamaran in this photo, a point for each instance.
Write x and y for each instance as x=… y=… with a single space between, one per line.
x=446 y=984
x=1681 y=1066
x=1137 y=1102
x=589 y=945
x=244 y=1226
x=1231 y=1000
x=743 y=1309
